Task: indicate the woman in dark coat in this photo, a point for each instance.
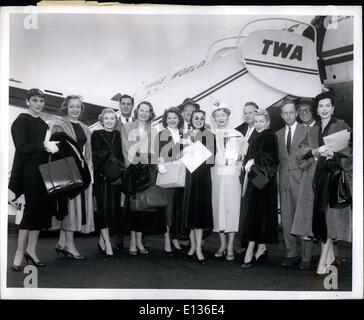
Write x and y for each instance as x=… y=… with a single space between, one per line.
x=259 y=216
x=169 y=149
x=31 y=150
x=328 y=223
x=137 y=138
x=197 y=197
x=104 y=143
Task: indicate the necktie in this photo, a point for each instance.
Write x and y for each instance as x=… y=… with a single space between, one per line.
x=127 y=119
x=289 y=139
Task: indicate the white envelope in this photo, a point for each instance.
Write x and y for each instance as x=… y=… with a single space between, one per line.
x=337 y=141
x=195 y=155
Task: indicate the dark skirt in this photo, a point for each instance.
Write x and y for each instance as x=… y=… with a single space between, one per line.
x=148 y=222
x=197 y=199
x=39 y=206
x=108 y=212
x=259 y=216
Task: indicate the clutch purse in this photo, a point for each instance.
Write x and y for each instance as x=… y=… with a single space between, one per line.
x=61 y=175
x=149 y=199
x=258 y=177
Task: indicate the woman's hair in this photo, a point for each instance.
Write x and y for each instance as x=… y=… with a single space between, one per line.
x=324 y=95
x=152 y=114
x=177 y=112
x=64 y=107
x=105 y=111
x=226 y=110
x=35 y=92
x=198 y=111
x=263 y=113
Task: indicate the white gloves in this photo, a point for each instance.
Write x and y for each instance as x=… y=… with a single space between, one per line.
x=323 y=151
x=51 y=146
x=249 y=164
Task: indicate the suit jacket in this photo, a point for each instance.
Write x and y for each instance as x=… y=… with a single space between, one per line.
x=290 y=173
x=138 y=148
x=243 y=129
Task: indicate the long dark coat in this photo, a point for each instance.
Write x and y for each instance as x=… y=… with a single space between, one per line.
x=197 y=196
x=28 y=134
x=259 y=216
x=325 y=222
x=108 y=196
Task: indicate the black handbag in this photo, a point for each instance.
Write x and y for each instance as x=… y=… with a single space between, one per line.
x=258 y=177
x=149 y=199
x=340 y=194
x=61 y=175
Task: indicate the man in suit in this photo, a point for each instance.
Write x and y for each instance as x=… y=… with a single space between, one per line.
x=126 y=105
x=305 y=112
x=289 y=137
x=247 y=128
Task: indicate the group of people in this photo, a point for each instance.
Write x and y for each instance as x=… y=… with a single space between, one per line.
x=233 y=193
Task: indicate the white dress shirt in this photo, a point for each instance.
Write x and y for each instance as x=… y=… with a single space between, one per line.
x=293 y=129
x=249 y=132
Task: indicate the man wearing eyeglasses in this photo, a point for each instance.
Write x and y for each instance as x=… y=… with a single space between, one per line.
x=305 y=112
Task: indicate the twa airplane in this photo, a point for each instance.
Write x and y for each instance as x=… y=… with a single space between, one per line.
x=265 y=62
x=270 y=59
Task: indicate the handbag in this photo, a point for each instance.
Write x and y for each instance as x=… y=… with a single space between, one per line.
x=61 y=175
x=174 y=177
x=340 y=194
x=149 y=199
x=258 y=177
x=113 y=169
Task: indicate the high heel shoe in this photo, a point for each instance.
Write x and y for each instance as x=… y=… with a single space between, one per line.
x=35 y=263
x=16 y=268
x=230 y=257
x=59 y=251
x=143 y=251
x=263 y=257
x=70 y=255
x=174 y=248
x=168 y=253
x=102 y=251
x=247 y=265
x=219 y=254
x=133 y=253
x=202 y=261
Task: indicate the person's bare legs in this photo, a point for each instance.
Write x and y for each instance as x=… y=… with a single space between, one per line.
x=192 y=243
x=22 y=243
x=327 y=256
x=32 y=244
x=199 y=235
x=230 y=246
x=249 y=252
x=106 y=239
x=222 y=248
x=132 y=244
x=167 y=240
x=70 y=243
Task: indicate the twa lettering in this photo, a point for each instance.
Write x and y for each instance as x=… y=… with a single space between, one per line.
x=282 y=49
